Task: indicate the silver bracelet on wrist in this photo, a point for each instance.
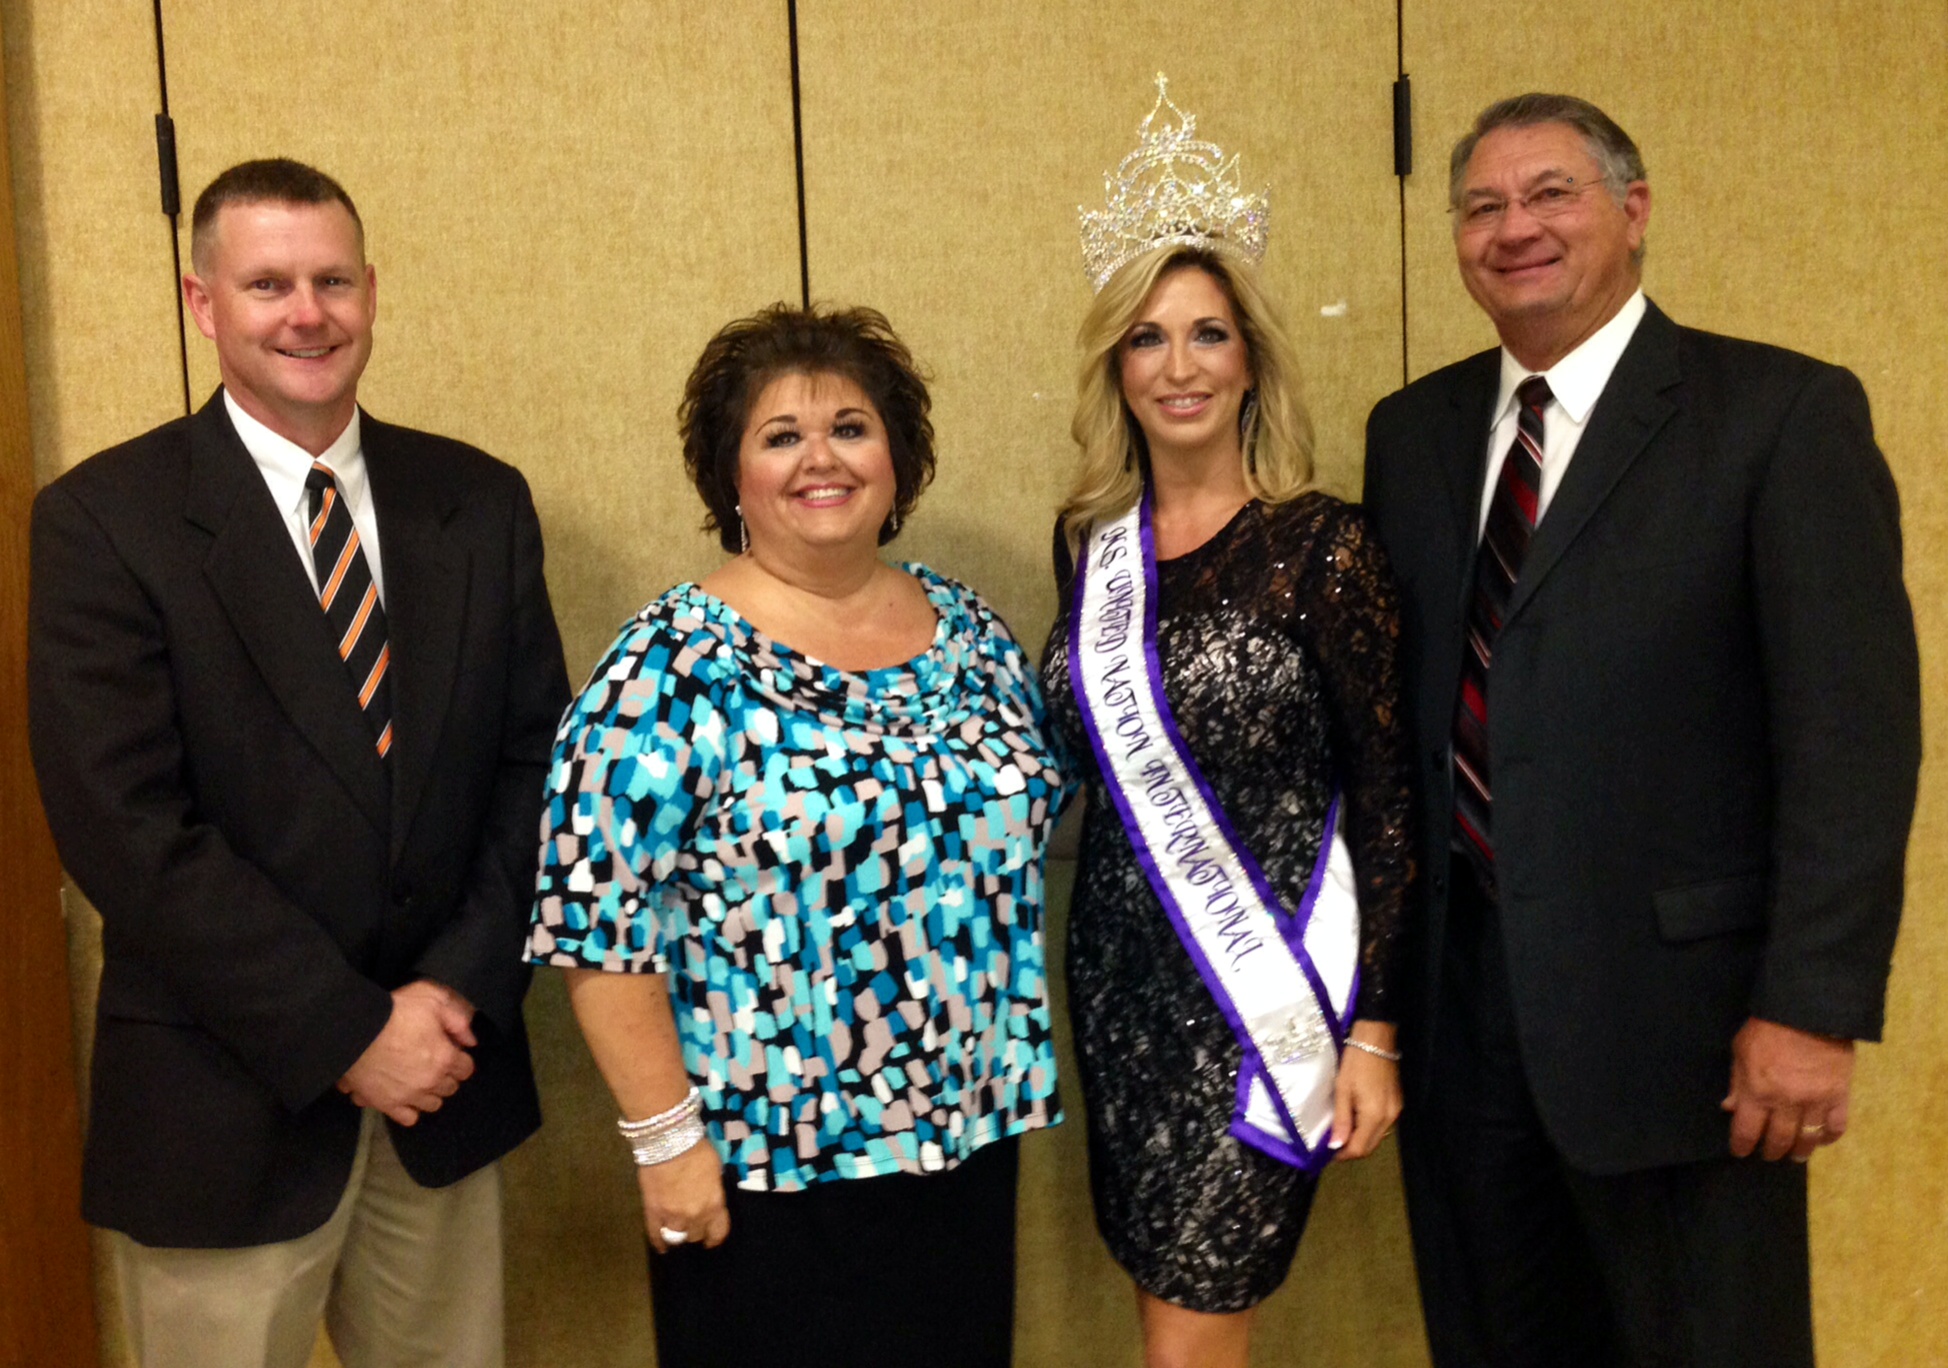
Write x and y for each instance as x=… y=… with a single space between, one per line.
x=1391 y=1056
x=690 y=1106
x=660 y=1138
x=668 y=1144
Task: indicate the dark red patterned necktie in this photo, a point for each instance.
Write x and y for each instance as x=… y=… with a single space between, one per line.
x=1498 y=563
x=351 y=602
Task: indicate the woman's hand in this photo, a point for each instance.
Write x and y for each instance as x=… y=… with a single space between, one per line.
x=686 y=1195
x=1366 y=1097
x=630 y=1030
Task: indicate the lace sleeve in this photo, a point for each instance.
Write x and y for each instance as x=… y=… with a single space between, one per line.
x=1348 y=615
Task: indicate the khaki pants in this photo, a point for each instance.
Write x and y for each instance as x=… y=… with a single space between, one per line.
x=402 y=1276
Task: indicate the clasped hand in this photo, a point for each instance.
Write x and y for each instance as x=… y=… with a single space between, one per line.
x=1789 y=1090
x=420 y=1058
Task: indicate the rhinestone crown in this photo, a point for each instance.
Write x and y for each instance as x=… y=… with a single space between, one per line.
x=1172 y=190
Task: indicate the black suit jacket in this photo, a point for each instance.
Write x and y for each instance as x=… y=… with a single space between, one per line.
x=1704 y=712
x=263 y=885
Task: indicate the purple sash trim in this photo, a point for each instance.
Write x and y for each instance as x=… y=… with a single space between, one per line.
x=1294 y=930
x=1291 y=1147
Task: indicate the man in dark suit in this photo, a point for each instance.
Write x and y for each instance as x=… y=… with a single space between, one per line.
x=1662 y=669
x=293 y=680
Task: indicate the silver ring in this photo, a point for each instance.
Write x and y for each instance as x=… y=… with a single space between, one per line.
x=672 y=1238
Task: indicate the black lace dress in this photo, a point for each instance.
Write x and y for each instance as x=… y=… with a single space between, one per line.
x=1277 y=639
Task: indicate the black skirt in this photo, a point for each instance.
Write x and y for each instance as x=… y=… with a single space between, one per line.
x=896 y=1270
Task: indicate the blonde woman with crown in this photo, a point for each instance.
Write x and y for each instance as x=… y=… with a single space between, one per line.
x=1224 y=671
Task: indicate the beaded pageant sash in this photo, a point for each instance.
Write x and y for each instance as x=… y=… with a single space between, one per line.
x=1284 y=980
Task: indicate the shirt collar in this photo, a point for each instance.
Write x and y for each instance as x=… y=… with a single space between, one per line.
x=285 y=464
x=1576 y=382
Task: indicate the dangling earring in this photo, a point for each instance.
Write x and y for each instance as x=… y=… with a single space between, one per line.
x=1247 y=420
x=892 y=528
x=743 y=533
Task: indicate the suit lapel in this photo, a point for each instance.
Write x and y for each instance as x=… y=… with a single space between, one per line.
x=426 y=591
x=254 y=571
x=1464 y=457
x=1630 y=412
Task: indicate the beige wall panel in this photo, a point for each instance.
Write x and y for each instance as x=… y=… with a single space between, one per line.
x=96 y=280
x=561 y=208
x=561 y=213
x=1797 y=150
x=946 y=152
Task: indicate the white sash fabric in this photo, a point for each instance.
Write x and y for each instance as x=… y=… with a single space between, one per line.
x=1285 y=979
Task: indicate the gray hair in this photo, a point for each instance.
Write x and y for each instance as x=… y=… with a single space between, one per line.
x=1612 y=148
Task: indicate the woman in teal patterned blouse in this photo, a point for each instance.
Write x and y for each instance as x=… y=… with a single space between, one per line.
x=792 y=861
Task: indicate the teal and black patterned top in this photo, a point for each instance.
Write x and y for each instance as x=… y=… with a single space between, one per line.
x=841 y=873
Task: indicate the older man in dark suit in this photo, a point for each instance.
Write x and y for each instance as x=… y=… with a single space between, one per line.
x=293 y=680
x=1662 y=669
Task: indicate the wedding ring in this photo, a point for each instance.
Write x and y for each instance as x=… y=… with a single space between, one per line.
x=1814 y=1129
x=672 y=1238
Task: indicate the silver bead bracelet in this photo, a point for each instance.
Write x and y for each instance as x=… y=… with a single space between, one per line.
x=1391 y=1056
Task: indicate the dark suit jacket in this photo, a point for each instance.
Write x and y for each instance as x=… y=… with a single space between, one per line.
x=1704 y=715
x=213 y=789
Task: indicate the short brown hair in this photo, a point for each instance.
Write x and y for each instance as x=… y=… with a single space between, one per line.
x=749 y=353
x=270 y=180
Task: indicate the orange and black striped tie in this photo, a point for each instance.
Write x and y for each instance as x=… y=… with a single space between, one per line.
x=1512 y=516
x=351 y=601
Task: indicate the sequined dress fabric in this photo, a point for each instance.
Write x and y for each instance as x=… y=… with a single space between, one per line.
x=1277 y=639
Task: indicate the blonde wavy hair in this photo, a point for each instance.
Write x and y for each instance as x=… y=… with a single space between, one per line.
x=1276 y=444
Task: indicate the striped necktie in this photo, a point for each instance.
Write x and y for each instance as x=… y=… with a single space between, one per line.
x=351 y=601
x=1498 y=564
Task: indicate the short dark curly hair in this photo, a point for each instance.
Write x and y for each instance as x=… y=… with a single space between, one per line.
x=749 y=353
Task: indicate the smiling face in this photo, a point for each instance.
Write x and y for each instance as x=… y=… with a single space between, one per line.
x=1550 y=281
x=814 y=468
x=288 y=299
x=1185 y=367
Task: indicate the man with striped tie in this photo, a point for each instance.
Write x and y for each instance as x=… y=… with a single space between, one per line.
x=293 y=678
x=1662 y=669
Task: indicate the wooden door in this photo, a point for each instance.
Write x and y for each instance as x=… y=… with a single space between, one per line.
x=47 y=1313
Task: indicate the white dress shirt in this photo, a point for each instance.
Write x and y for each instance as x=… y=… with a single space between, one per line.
x=284 y=465
x=1575 y=384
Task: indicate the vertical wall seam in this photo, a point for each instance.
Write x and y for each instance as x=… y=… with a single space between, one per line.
x=171 y=204
x=797 y=155
x=1400 y=72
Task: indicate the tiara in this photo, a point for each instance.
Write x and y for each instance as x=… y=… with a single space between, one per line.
x=1172 y=190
